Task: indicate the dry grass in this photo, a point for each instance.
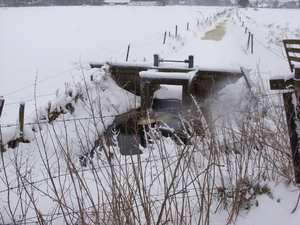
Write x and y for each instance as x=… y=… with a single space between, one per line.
x=220 y=170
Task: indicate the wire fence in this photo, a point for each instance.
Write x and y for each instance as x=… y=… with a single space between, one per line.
x=261 y=96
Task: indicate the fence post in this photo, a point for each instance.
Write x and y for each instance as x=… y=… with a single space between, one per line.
x=291 y=115
x=156 y=60
x=187 y=26
x=21 y=118
x=1 y=107
x=191 y=61
x=292 y=111
x=176 y=31
x=127 y=52
x=296 y=152
x=251 y=43
x=165 y=37
x=248 y=42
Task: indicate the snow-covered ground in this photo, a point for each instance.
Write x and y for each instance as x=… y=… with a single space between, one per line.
x=45 y=52
x=49 y=46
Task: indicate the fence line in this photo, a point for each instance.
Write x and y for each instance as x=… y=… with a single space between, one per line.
x=108 y=116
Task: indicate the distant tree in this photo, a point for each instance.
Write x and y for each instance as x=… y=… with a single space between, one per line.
x=275 y=4
x=243 y=3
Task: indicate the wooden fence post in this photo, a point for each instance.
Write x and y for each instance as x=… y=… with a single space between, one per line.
x=1 y=108
x=248 y=42
x=165 y=37
x=291 y=115
x=251 y=43
x=176 y=31
x=21 y=119
x=296 y=150
x=292 y=111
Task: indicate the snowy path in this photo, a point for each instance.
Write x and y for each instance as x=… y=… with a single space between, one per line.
x=216 y=34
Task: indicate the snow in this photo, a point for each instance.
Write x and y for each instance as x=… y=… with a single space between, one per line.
x=152 y=74
x=45 y=54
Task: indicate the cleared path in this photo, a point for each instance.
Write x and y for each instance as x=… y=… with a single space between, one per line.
x=216 y=34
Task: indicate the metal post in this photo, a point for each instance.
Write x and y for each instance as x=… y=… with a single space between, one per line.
x=191 y=61
x=127 y=53
x=156 y=60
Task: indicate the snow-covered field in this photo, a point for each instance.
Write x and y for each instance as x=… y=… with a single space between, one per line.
x=45 y=53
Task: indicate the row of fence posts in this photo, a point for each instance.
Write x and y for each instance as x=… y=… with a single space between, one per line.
x=249 y=42
x=164 y=39
x=250 y=36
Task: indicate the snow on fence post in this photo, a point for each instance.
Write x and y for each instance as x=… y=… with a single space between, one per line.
x=291 y=104
x=1 y=108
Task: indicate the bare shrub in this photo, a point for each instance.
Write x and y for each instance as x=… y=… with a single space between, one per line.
x=58 y=179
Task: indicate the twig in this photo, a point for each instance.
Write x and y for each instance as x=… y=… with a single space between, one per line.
x=296 y=204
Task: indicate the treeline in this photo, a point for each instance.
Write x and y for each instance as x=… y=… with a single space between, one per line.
x=243 y=3
x=21 y=3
